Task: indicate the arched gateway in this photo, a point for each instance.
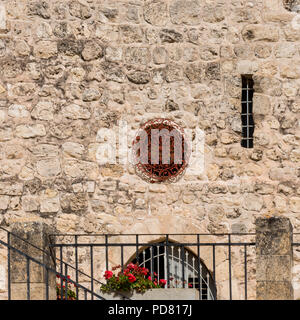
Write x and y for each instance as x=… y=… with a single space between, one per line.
x=170 y=260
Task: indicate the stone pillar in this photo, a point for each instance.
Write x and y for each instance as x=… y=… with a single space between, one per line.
x=274 y=259
x=36 y=233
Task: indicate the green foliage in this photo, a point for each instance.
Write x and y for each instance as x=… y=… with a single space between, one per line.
x=61 y=291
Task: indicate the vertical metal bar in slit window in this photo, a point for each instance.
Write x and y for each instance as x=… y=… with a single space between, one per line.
x=8 y=267
x=106 y=251
x=168 y=262
x=199 y=266
x=47 y=283
x=92 y=271
x=76 y=264
x=85 y=294
x=28 y=277
x=182 y=262
x=66 y=281
x=245 y=265
x=247 y=103
x=229 y=261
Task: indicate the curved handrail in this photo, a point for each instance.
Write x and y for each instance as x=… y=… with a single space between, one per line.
x=54 y=258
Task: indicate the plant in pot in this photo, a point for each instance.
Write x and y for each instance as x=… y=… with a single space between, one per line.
x=132 y=279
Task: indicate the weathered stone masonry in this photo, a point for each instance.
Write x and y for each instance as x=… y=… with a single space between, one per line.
x=69 y=68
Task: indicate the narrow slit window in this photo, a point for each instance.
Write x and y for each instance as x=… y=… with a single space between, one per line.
x=247 y=112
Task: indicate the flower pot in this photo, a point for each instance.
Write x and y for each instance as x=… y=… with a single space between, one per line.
x=154 y=294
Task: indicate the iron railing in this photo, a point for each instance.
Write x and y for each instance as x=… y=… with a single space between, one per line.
x=47 y=269
x=184 y=260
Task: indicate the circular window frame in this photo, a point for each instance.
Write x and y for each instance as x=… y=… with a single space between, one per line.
x=175 y=171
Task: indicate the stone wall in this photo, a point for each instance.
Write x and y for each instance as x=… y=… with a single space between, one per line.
x=69 y=68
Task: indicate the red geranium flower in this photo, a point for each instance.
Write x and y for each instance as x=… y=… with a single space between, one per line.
x=162 y=282
x=108 y=274
x=131 y=278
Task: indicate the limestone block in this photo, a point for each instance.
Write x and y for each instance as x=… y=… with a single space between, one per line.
x=30 y=203
x=170 y=36
x=7 y=188
x=81 y=169
x=45 y=49
x=74 y=111
x=2 y=278
x=2 y=17
x=253 y=203
x=214 y=13
x=139 y=77
x=30 y=131
x=43 y=111
x=37 y=291
x=73 y=202
x=283 y=174
x=18 y=111
x=295 y=155
x=259 y=32
x=131 y=34
x=262 y=51
x=155 y=13
x=247 y=67
x=137 y=55
x=48 y=167
x=73 y=149
x=295 y=204
x=6 y=134
x=290 y=71
x=271 y=290
x=160 y=55
x=262 y=104
x=45 y=150
x=92 y=50
x=185 y=12
x=49 y=202
x=4 y=202
x=13 y=151
x=80 y=10
x=273 y=268
x=113 y=54
x=285 y=50
x=273 y=236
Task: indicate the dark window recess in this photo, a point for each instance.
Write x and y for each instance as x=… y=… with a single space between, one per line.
x=247 y=112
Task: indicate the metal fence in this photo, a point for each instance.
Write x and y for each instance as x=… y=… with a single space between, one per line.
x=216 y=265
x=219 y=266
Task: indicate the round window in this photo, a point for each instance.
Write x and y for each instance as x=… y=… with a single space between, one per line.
x=160 y=151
